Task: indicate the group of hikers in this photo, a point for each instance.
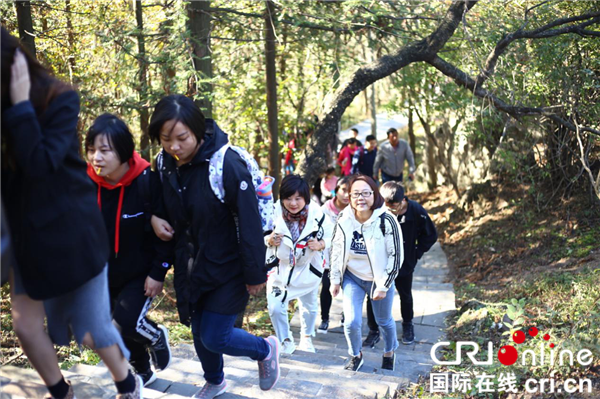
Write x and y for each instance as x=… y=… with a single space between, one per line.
x=92 y=242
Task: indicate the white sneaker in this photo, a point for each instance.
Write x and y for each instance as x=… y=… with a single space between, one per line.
x=288 y=347
x=306 y=345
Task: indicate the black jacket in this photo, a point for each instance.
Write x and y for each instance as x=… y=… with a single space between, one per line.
x=419 y=234
x=211 y=266
x=141 y=253
x=58 y=234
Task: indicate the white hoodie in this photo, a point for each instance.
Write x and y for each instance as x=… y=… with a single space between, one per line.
x=385 y=252
x=300 y=269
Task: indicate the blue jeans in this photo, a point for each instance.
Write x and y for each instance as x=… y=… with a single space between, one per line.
x=214 y=335
x=386 y=178
x=354 y=290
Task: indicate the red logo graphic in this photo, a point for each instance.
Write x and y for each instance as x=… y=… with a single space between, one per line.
x=508 y=354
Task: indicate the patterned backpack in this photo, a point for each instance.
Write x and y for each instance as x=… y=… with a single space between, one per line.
x=262 y=184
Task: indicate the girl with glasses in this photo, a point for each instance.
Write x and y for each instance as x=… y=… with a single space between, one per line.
x=366 y=255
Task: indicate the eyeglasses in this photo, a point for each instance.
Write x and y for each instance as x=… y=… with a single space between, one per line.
x=364 y=194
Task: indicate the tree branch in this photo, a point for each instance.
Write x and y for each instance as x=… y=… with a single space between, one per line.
x=542 y=32
x=464 y=80
x=313 y=160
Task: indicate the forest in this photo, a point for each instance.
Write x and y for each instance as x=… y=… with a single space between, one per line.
x=501 y=100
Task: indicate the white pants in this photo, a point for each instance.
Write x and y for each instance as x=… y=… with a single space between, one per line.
x=278 y=311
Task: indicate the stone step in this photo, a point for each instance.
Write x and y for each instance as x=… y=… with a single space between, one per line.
x=19 y=382
x=326 y=363
x=298 y=379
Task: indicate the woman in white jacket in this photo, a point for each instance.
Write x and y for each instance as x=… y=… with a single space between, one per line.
x=366 y=255
x=295 y=251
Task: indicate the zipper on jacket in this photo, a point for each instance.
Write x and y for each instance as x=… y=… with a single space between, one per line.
x=369 y=258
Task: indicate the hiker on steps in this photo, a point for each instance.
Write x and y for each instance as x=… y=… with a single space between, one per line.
x=332 y=209
x=295 y=251
x=419 y=235
x=216 y=269
x=129 y=194
x=61 y=247
x=365 y=258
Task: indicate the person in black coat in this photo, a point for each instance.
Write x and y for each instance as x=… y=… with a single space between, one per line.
x=129 y=195
x=60 y=242
x=419 y=234
x=219 y=247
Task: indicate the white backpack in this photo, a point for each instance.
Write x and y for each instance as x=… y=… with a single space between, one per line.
x=262 y=184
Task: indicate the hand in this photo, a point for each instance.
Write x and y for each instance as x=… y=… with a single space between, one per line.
x=162 y=228
x=315 y=244
x=274 y=239
x=411 y=176
x=152 y=287
x=254 y=289
x=20 y=83
x=379 y=295
x=335 y=290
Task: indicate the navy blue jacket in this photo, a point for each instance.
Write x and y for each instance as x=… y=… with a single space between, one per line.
x=419 y=234
x=211 y=267
x=58 y=234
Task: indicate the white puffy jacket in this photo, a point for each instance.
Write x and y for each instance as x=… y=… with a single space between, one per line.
x=300 y=269
x=385 y=252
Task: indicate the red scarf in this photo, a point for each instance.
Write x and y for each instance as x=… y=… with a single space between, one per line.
x=136 y=166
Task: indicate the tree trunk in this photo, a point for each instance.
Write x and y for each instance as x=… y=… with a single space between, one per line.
x=313 y=160
x=25 y=25
x=71 y=41
x=143 y=83
x=274 y=159
x=199 y=25
x=167 y=70
x=411 y=129
x=430 y=157
x=373 y=112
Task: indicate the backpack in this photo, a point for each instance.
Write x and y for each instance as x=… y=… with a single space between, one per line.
x=262 y=184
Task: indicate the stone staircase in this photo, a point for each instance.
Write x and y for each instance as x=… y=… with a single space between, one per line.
x=303 y=374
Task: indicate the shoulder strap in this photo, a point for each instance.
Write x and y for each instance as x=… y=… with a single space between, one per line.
x=382 y=223
x=215 y=172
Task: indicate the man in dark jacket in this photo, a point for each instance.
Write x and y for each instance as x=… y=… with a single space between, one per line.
x=364 y=157
x=219 y=247
x=419 y=235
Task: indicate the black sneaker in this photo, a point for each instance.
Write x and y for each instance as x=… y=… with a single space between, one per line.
x=372 y=339
x=408 y=333
x=354 y=363
x=388 y=363
x=160 y=351
x=323 y=327
x=148 y=376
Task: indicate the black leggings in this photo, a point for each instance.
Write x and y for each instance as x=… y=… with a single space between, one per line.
x=130 y=306
x=404 y=286
x=326 y=298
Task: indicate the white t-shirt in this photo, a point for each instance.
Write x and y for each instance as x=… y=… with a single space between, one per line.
x=358 y=260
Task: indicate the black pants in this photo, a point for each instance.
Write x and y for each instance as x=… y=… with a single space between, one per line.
x=326 y=298
x=129 y=307
x=404 y=287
